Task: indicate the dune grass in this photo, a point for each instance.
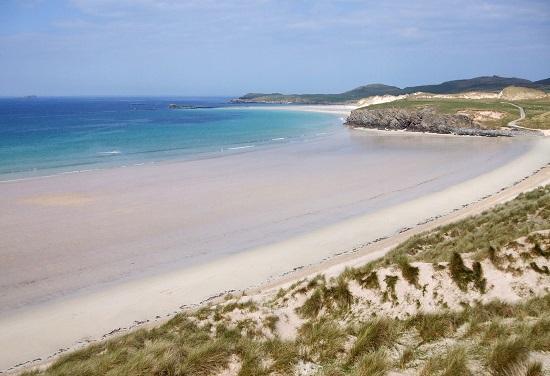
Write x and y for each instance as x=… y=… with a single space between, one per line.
x=334 y=297
x=409 y=272
x=374 y=335
x=372 y=364
x=451 y=363
x=508 y=357
x=321 y=340
x=527 y=213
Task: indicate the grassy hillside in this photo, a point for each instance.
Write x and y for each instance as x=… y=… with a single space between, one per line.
x=487 y=84
x=537 y=111
x=454 y=105
x=351 y=95
x=429 y=307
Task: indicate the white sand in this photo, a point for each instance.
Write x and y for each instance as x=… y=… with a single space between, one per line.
x=94 y=226
x=341 y=109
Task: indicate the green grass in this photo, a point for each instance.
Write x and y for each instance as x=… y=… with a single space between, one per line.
x=374 y=335
x=372 y=364
x=390 y=281
x=507 y=357
x=335 y=298
x=462 y=275
x=454 y=105
x=491 y=229
x=537 y=113
x=452 y=363
x=313 y=305
x=534 y=369
x=409 y=272
x=321 y=340
x=270 y=322
x=180 y=347
x=432 y=326
x=527 y=213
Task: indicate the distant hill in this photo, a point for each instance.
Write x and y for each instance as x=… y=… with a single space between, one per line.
x=485 y=83
x=351 y=95
x=543 y=84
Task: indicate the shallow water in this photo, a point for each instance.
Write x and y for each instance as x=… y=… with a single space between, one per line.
x=43 y=136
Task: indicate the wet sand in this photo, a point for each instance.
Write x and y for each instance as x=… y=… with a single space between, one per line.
x=87 y=253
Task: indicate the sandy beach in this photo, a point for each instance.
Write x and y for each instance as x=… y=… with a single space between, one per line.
x=91 y=253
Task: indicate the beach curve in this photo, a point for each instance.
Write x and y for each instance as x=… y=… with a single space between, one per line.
x=84 y=319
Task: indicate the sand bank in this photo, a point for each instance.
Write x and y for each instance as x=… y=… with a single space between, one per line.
x=339 y=109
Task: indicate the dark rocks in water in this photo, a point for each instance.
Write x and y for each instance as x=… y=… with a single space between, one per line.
x=423 y=120
x=174 y=106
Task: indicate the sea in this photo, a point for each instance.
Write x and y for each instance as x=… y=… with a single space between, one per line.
x=55 y=135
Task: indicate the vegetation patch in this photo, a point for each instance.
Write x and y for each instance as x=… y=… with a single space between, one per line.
x=451 y=363
x=374 y=335
x=409 y=272
x=508 y=357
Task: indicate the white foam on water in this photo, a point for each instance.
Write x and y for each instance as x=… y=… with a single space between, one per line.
x=241 y=147
x=112 y=152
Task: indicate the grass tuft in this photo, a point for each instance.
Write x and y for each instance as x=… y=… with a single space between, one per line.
x=321 y=340
x=432 y=326
x=390 y=281
x=534 y=369
x=507 y=356
x=313 y=305
x=374 y=335
x=372 y=364
x=409 y=272
x=370 y=281
x=452 y=363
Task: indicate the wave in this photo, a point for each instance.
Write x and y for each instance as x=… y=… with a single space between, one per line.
x=112 y=152
x=241 y=147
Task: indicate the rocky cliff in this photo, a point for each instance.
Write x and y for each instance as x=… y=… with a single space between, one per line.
x=423 y=120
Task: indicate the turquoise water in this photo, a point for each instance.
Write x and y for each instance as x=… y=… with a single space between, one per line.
x=41 y=136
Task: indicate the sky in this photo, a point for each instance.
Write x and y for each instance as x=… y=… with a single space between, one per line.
x=216 y=47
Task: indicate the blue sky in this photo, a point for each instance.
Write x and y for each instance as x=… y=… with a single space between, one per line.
x=208 y=47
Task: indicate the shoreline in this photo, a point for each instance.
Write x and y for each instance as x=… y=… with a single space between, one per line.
x=344 y=110
x=346 y=241
x=339 y=109
x=207 y=152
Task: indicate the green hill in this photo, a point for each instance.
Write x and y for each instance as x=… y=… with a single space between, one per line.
x=488 y=83
x=485 y=83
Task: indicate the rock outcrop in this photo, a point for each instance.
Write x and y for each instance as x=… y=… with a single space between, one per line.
x=423 y=120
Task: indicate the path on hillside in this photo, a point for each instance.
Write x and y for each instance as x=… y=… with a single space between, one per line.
x=513 y=123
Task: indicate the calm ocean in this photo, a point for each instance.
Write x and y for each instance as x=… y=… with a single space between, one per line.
x=42 y=136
